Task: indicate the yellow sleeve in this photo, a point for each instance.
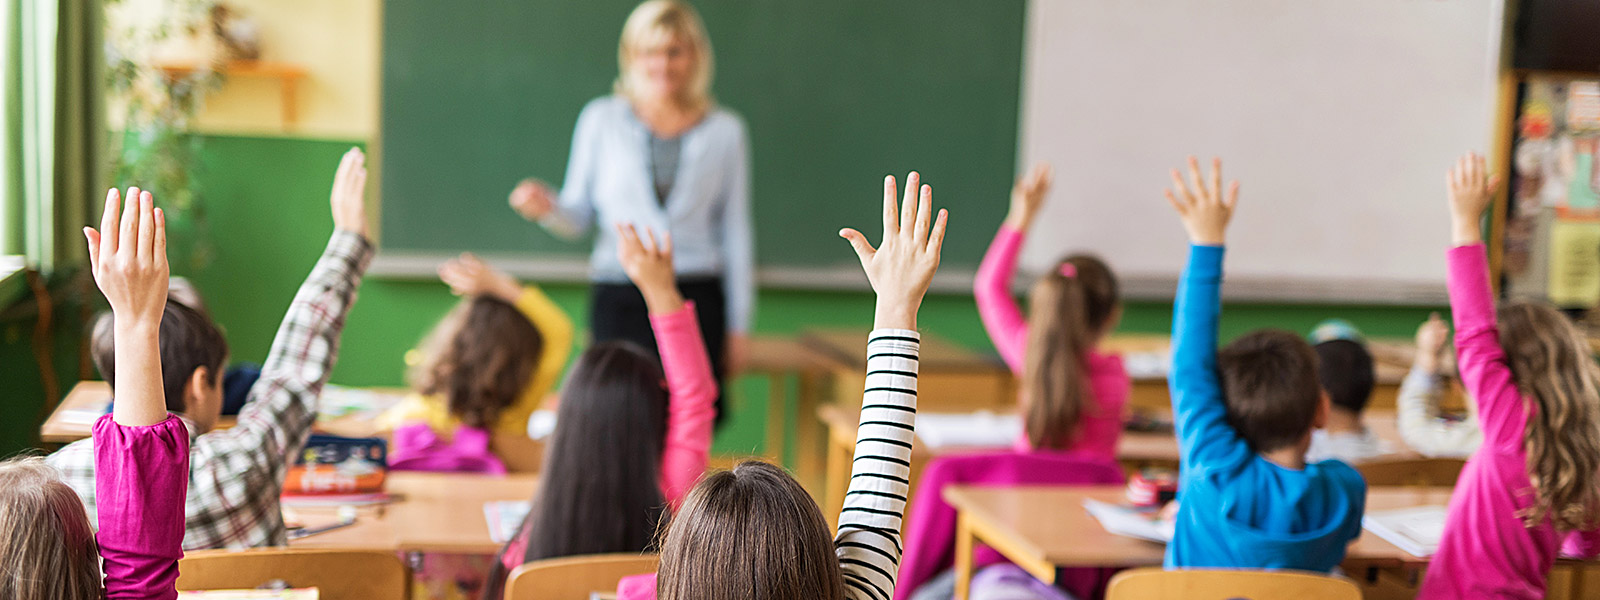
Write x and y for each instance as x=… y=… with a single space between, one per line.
x=417 y=408
x=556 y=327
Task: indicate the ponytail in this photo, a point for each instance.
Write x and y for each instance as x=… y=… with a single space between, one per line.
x=1068 y=308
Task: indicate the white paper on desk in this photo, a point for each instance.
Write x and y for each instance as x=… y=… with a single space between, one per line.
x=338 y=401
x=1415 y=530
x=1147 y=365
x=1125 y=521
x=78 y=416
x=504 y=517
x=981 y=429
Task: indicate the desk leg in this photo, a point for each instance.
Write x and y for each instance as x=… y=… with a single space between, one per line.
x=963 y=556
x=838 y=481
x=777 y=406
x=806 y=430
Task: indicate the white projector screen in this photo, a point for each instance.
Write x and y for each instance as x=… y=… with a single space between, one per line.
x=1338 y=117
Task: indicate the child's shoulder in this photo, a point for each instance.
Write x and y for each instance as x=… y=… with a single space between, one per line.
x=1340 y=473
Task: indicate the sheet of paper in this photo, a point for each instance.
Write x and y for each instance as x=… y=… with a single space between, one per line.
x=1130 y=522
x=504 y=517
x=1414 y=530
x=1575 y=264
x=981 y=429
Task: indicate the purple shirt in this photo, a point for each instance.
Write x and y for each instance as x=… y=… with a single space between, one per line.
x=1486 y=551
x=141 y=477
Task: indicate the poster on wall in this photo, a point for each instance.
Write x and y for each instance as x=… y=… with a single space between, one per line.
x=1550 y=250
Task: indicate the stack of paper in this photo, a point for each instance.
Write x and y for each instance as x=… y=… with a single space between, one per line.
x=1130 y=522
x=1415 y=530
x=982 y=429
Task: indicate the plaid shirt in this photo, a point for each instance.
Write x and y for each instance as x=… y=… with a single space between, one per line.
x=236 y=475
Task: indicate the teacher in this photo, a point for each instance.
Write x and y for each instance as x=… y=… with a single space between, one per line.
x=660 y=154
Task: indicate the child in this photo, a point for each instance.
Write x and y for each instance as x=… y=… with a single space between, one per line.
x=1244 y=418
x=50 y=552
x=753 y=532
x=625 y=449
x=1072 y=394
x=483 y=370
x=1531 y=489
x=1347 y=373
x=1421 y=425
x=237 y=474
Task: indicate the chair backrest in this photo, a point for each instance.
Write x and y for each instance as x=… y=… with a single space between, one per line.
x=1430 y=472
x=576 y=577
x=337 y=574
x=1193 y=584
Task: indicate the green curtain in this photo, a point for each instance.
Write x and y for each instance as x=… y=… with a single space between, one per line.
x=51 y=165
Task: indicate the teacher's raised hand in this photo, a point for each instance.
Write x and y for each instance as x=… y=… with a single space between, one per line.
x=533 y=199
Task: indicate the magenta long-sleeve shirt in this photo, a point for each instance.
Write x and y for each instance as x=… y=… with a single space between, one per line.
x=1109 y=386
x=1486 y=551
x=141 y=477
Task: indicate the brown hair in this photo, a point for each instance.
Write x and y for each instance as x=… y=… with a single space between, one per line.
x=1066 y=314
x=480 y=358
x=47 y=549
x=189 y=341
x=752 y=532
x=1347 y=373
x=1270 y=387
x=1551 y=363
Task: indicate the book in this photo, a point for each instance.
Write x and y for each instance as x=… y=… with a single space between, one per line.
x=1414 y=530
x=504 y=517
x=331 y=465
x=295 y=594
x=1144 y=524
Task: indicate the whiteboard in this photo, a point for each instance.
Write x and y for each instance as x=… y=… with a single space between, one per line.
x=1338 y=117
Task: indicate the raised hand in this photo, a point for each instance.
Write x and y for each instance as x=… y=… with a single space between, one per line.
x=128 y=256
x=901 y=268
x=1431 y=338
x=532 y=199
x=467 y=275
x=349 y=193
x=1471 y=190
x=1027 y=196
x=649 y=265
x=1201 y=205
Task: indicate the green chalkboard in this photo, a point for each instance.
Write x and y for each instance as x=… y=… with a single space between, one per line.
x=478 y=94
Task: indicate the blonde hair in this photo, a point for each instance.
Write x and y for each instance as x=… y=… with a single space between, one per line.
x=1551 y=363
x=1067 y=310
x=47 y=549
x=656 y=22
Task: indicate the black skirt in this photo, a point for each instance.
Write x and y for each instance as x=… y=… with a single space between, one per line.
x=617 y=312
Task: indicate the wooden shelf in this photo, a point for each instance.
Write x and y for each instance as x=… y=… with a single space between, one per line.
x=288 y=76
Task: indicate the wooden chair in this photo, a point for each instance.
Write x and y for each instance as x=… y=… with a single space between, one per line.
x=576 y=577
x=337 y=574
x=1158 y=584
x=1440 y=472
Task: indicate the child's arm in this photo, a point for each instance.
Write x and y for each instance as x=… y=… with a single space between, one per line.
x=468 y=275
x=1204 y=437
x=690 y=383
x=141 y=454
x=1484 y=370
x=1420 y=425
x=991 y=288
x=868 y=543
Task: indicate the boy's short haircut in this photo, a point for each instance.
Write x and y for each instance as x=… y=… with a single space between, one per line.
x=189 y=340
x=1346 y=370
x=1270 y=388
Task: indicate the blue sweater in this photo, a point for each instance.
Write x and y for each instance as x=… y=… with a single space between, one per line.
x=1240 y=510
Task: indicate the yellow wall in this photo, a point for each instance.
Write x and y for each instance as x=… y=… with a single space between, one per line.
x=335 y=41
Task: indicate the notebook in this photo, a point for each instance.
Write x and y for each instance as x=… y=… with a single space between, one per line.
x=1144 y=524
x=1415 y=530
x=338 y=466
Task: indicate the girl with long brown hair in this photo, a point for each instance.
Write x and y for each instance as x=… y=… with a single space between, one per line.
x=1072 y=393
x=1533 y=487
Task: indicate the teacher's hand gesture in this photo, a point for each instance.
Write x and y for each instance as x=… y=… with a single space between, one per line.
x=533 y=199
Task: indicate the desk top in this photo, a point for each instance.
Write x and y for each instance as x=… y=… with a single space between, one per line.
x=1049 y=523
x=769 y=354
x=433 y=512
x=74 y=418
x=848 y=349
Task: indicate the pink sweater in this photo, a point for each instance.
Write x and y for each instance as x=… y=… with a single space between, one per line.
x=692 y=390
x=1486 y=552
x=1109 y=385
x=141 y=477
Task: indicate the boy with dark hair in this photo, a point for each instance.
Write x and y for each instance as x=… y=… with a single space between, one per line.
x=1244 y=421
x=236 y=475
x=1348 y=376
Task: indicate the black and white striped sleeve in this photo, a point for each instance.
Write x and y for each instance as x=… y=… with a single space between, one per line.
x=868 y=544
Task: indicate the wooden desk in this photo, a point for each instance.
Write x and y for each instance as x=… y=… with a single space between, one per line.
x=433 y=512
x=1043 y=528
x=73 y=419
x=951 y=378
x=776 y=358
x=1134 y=449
